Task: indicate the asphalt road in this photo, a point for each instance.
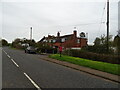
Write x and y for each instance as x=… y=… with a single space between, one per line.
x=21 y=70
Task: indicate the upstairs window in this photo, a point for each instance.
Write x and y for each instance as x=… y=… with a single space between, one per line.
x=54 y=41
x=63 y=39
x=66 y=39
x=50 y=41
x=44 y=40
x=78 y=40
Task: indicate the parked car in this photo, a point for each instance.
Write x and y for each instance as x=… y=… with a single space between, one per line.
x=30 y=49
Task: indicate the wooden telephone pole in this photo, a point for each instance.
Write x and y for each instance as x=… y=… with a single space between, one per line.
x=107 y=26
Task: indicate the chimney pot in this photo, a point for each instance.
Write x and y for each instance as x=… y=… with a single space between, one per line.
x=75 y=33
x=58 y=34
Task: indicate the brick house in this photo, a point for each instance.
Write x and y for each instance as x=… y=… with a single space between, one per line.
x=67 y=41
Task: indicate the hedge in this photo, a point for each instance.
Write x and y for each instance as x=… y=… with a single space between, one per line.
x=114 y=59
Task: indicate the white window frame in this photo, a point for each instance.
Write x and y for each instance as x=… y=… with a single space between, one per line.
x=54 y=40
x=78 y=40
x=63 y=39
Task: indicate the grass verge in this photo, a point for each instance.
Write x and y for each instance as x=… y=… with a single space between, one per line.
x=102 y=66
x=15 y=48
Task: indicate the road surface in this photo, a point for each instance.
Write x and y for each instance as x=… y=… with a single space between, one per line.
x=21 y=70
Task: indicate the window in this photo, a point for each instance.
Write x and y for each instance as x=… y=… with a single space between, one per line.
x=54 y=41
x=49 y=40
x=78 y=40
x=63 y=39
x=44 y=40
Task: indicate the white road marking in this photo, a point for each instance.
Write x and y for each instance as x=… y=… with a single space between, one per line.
x=4 y=51
x=24 y=73
x=8 y=56
x=12 y=60
x=32 y=81
x=15 y=63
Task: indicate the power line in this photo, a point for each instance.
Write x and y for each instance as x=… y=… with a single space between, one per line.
x=88 y=24
x=101 y=18
x=82 y=24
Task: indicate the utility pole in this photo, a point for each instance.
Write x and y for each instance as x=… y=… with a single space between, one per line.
x=30 y=33
x=107 y=26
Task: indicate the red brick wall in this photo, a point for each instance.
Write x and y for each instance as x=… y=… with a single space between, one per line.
x=83 y=42
x=72 y=42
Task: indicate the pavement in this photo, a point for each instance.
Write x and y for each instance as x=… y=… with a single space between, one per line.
x=98 y=73
x=21 y=70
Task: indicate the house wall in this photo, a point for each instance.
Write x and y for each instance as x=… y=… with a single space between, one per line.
x=83 y=42
x=69 y=42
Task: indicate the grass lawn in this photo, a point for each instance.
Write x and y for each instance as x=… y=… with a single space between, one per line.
x=102 y=66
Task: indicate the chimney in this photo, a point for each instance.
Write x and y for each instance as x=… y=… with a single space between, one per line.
x=75 y=32
x=49 y=36
x=58 y=34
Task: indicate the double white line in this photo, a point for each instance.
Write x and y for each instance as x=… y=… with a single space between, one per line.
x=28 y=77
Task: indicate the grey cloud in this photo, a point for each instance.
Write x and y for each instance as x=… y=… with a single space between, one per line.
x=50 y=17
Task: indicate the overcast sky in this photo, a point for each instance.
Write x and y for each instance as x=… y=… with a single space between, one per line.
x=50 y=16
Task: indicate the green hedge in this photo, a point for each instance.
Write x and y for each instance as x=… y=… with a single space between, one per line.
x=115 y=59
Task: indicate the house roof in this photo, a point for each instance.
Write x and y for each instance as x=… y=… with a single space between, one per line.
x=66 y=36
x=42 y=39
x=53 y=37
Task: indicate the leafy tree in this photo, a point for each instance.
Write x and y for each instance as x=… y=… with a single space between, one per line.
x=0 y=42
x=97 y=41
x=45 y=48
x=103 y=40
x=31 y=42
x=117 y=43
x=100 y=45
x=4 y=42
x=17 y=43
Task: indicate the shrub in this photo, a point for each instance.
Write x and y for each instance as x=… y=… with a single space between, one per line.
x=46 y=49
x=4 y=42
x=114 y=59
